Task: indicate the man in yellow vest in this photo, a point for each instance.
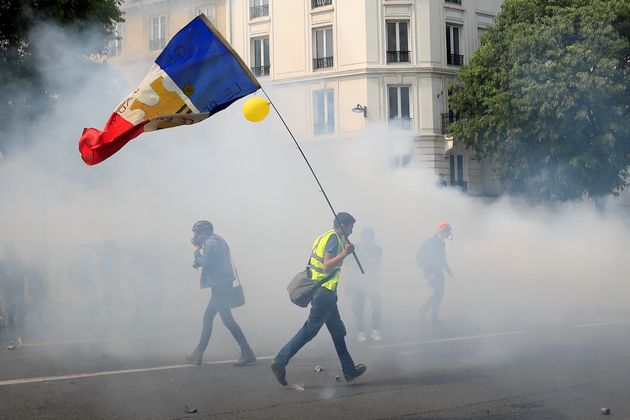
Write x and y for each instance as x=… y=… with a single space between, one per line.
x=328 y=252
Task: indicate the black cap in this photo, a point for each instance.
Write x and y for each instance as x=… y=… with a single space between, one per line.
x=344 y=219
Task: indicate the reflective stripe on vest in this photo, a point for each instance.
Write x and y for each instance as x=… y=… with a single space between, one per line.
x=316 y=262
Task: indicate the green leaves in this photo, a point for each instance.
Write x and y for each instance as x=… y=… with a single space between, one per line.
x=24 y=88
x=547 y=96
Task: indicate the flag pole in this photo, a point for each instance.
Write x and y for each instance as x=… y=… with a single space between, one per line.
x=321 y=188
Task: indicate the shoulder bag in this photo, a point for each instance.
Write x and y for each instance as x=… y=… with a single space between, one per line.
x=237 y=296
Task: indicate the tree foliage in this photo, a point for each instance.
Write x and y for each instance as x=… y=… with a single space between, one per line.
x=24 y=88
x=547 y=97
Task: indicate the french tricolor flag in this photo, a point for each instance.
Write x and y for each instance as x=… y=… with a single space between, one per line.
x=196 y=75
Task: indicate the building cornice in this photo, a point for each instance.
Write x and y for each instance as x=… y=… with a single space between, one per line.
x=134 y=5
x=441 y=71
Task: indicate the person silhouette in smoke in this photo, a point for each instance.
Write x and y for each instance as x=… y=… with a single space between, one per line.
x=38 y=288
x=212 y=255
x=431 y=257
x=13 y=287
x=368 y=285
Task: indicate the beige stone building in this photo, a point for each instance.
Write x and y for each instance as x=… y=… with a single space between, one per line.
x=150 y=24
x=344 y=65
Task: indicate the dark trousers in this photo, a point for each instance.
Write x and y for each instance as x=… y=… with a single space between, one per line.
x=220 y=304
x=358 y=307
x=436 y=281
x=323 y=311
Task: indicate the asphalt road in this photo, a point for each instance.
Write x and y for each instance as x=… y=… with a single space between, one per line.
x=561 y=372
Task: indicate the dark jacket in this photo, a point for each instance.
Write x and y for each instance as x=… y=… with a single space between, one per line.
x=431 y=255
x=216 y=264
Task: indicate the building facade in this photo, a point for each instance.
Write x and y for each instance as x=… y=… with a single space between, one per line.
x=344 y=65
x=150 y=24
x=389 y=61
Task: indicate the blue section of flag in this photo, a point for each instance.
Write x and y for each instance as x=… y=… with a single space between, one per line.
x=205 y=68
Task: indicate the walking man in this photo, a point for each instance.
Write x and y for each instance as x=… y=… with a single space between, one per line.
x=212 y=254
x=431 y=257
x=327 y=255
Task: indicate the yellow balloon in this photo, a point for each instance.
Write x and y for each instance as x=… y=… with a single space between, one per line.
x=255 y=109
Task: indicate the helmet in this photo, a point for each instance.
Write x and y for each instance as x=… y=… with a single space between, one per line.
x=203 y=226
x=200 y=230
x=443 y=225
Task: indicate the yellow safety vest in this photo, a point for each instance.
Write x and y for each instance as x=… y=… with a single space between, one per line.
x=316 y=262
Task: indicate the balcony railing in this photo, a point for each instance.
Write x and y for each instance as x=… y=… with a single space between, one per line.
x=258 y=11
x=320 y=3
x=403 y=123
x=324 y=128
x=398 y=56
x=463 y=185
x=322 y=63
x=157 y=44
x=448 y=118
x=261 y=70
x=454 y=1
x=455 y=59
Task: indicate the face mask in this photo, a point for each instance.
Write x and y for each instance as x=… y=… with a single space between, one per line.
x=197 y=240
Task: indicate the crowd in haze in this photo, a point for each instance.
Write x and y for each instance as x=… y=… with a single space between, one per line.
x=114 y=288
x=108 y=292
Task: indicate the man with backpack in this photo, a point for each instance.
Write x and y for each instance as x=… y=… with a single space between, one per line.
x=328 y=253
x=431 y=257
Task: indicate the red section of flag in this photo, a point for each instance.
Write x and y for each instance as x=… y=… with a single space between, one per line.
x=96 y=146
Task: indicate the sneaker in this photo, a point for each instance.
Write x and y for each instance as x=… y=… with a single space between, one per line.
x=361 y=336
x=12 y=345
x=280 y=373
x=358 y=371
x=246 y=358
x=375 y=335
x=18 y=342
x=194 y=357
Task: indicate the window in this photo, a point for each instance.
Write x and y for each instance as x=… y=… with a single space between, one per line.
x=208 y=10
x=157 y=38
x=456 y=164
x=322 y=48
x=258 y=8
x=324 y=111
x=397 y=42
x=399 y=115
x=454 y=2
x=320 y=3
x=115 y=45
x=447 y=119
x=480 y=33
x=401 y=161
x=453 y=55
x=260 y=56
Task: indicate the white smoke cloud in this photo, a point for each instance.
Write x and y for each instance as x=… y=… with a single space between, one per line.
x=514 y=264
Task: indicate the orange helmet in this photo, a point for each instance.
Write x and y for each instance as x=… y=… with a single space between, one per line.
x=443 y=225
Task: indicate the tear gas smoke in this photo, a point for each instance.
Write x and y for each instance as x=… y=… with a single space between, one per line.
x=116 y=236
